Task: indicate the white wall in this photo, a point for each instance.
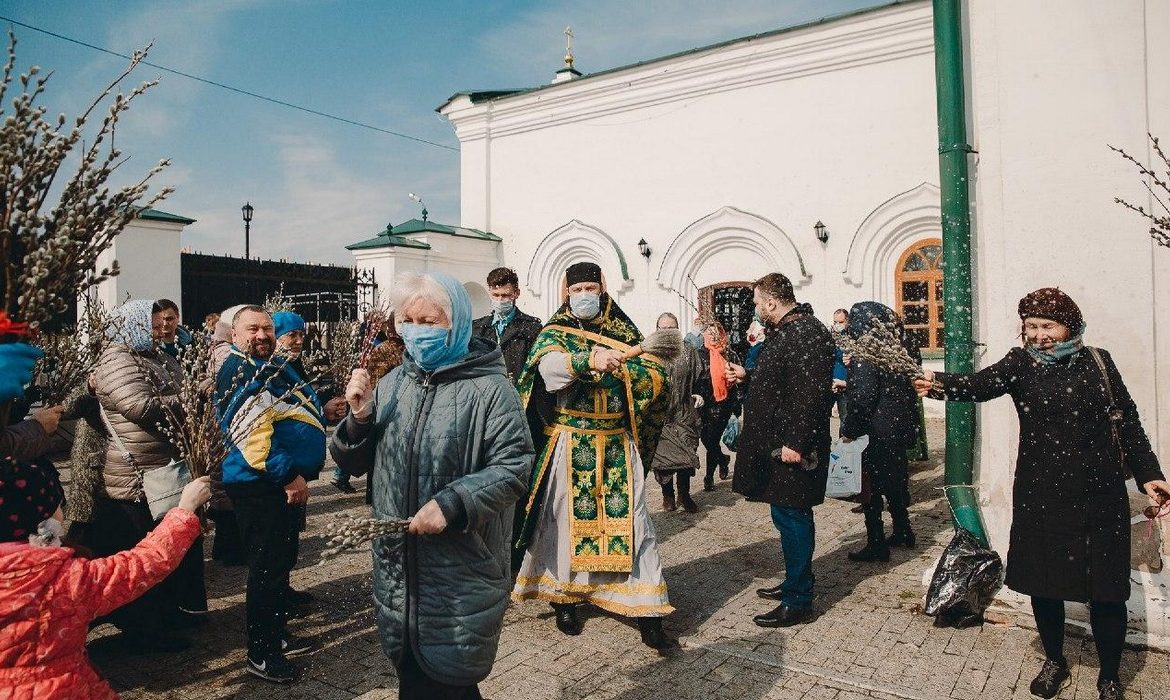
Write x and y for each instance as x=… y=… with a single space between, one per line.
x=467 y=259
x=1049 y=90
x=824 y=123
x=148 y=255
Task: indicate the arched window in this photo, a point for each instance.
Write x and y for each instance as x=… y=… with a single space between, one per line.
x=918 y=282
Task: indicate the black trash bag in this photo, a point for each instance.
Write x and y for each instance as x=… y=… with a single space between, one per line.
x=964 y=583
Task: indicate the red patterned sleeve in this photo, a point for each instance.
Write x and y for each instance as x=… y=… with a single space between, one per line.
x=105 y=584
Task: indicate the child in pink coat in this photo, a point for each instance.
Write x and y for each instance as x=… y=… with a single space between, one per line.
x=48 y=596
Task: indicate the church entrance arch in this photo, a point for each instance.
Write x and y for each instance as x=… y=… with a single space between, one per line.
x=574 y=242
x=714 y=256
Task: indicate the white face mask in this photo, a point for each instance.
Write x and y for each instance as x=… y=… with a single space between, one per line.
x=585 y=305
x=503 y=307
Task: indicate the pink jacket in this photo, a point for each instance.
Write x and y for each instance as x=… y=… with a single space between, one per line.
x=48 y=597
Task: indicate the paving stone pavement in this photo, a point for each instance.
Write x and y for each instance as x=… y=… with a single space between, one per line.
x=868 y=643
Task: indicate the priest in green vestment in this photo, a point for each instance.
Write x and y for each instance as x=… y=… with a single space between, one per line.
x=596 y=411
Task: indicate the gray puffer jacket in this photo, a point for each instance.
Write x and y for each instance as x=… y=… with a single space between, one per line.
x=457 y=436
x=134 y=389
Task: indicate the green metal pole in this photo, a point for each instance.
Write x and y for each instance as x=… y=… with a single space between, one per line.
x=956 y=234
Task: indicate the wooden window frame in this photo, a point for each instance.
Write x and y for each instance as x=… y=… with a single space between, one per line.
x=934 y=321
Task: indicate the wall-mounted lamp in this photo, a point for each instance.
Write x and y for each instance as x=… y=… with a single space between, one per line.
x=644 y=248
x=822 y=232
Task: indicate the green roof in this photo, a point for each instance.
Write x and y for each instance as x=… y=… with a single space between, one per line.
x=477 y=96
x=156 y=215
x=384 y=241
x=396 y=237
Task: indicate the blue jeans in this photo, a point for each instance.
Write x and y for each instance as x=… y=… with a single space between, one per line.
x=797 y=540
x=340 y=476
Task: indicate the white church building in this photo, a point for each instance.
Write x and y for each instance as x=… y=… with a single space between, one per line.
x=814 y=151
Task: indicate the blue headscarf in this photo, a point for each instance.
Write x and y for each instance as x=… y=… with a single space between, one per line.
x=132 y=325
x=286 y=322
x=459 y=337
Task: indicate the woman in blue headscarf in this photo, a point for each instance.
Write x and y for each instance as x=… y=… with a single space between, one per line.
x=448 y=446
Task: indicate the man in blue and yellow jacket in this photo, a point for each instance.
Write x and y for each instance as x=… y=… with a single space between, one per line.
x=275 y=432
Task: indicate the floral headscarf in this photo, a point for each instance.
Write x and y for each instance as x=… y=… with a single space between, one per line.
x=132 y=325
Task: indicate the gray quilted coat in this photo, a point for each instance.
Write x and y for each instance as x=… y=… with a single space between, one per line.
x=460 y=437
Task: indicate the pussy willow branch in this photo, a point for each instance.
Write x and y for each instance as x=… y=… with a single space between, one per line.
x=881 y=346
x=278 y=302
x=348 y=532
x=376 y=321
x=72 y=354
x=47 y=259
x=1159 y=223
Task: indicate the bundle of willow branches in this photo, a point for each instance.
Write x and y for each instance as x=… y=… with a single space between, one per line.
x=881 y=346
x=1159 y=223
x=348 y=532
x=191 y=423
x=49 y=258
x=342 y=352
x=71 y=354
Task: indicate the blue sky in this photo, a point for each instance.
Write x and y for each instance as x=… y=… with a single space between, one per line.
x=318 y=184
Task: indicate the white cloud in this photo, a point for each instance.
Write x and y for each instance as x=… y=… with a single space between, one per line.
x=317 y=205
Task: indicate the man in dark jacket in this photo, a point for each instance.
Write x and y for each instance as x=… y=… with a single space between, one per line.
x=506 y=326
x=783 y=452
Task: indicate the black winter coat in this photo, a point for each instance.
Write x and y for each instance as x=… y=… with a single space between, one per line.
x=787 y=405
x=882 y=405
x=1070 y=513
x=517 y=340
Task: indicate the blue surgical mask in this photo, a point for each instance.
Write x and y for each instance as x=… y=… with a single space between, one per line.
x=585 y=305
x=428 y=345
x=503 y=307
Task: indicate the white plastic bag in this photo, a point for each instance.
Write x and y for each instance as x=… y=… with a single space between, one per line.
x=845 y=468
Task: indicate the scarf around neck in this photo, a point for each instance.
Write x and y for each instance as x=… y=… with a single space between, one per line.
x=1062 y=352
x=718 y=368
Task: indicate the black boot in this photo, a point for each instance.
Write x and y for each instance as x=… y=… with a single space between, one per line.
x=875 y=548
x=902 y=538
x=567 y=620
x=903 y=535
x=653 y=635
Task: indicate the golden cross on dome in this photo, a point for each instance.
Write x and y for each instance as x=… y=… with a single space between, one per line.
x=569 y=47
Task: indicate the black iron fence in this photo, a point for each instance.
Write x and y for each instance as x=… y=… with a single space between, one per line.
x=320 y=293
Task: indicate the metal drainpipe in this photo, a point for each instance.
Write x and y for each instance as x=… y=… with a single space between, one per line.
x=956 y=235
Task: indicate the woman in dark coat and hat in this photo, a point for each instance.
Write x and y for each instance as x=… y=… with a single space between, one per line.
x=883 y=406
x=1070 y=514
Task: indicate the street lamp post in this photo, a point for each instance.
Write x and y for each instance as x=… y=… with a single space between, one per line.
x=247 y=210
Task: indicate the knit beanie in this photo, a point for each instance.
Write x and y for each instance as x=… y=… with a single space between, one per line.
x=29 y=494
x=1055 y=305
x=286 y=322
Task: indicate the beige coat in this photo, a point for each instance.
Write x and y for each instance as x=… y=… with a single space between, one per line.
x=135 y=388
